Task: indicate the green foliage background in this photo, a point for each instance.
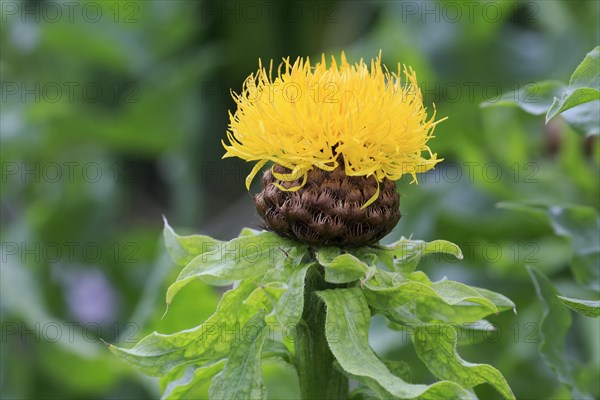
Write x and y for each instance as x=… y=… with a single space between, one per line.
x=141 y=129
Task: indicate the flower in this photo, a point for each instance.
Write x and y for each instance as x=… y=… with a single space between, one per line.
x=352 y=116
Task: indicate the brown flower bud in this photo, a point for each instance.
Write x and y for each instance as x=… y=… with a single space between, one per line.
x=327 y=211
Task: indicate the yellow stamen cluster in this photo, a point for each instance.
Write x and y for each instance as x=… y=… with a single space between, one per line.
x=308 y=117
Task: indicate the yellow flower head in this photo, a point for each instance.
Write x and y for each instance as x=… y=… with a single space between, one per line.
x=307 y=117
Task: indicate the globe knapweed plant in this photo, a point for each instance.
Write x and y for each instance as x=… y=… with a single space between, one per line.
x=305 y=288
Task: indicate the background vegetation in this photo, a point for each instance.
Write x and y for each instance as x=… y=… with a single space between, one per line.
x=112 y=115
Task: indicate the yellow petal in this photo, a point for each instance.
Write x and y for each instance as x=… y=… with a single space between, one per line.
x=372 y=199
x=253 y=173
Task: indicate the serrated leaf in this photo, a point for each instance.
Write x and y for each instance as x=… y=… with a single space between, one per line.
x=554 y=325
x=184 y=249
x=441 y=300
x=580 y=225
x=157 y=354
x=535 y=98
x=178 y=382
x=589 y=308
x=342 y=268
x=408 y=253
x=584 y=86
x=241 y=258
x=242 y=376
x=435 y=311
x=415 y=299
x=436 y=347
x=347 y=310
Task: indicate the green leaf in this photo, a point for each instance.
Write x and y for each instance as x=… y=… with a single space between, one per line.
x=184 y=249
x=343 y=268
x=578 y=102
x=288 y=309
x=408 y=253
x=347 y=310
x=249 y=232
x=399 y=368
x=468 y=333
x=418 y=299
x=179 y=381
x=374 y=256
x=157 y=354
x=535 y=98
x=588 y=308
x=277 y=351
x=436 y=347
x=280 y=290
x=584 y=119
x=364 y=393
x=476 y=332
x=242 y=258
x=584 y=85
x=554 y=326
x=581 y=226
x=266 y=293
x=502 y=302
x=242 y=376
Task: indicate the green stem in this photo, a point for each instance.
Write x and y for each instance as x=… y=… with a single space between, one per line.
x=319 y=378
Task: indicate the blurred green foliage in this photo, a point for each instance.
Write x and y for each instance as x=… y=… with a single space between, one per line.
x=112 y=114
